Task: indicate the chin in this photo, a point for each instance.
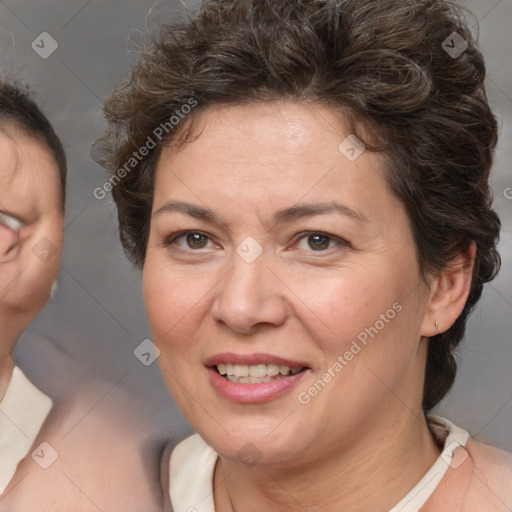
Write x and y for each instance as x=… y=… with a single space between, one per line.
x=256 y=440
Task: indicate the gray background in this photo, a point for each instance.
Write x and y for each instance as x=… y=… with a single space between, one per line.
x=89 y=331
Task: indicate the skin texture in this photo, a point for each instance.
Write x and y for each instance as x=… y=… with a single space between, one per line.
x=30 y=192
x=297 y=302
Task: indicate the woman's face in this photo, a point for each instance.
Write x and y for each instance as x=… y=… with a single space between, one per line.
x=271 y=251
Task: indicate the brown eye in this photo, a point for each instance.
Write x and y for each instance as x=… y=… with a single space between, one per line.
x=196 y=240
x=188 y=241
x=319 y=242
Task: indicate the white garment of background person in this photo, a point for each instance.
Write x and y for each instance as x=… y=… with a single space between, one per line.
x=23 y=411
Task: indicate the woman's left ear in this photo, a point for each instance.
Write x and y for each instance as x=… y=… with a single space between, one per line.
x=448 y=293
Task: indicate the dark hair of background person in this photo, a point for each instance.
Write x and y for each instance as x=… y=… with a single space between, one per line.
x=19 y=110
x=381 y=65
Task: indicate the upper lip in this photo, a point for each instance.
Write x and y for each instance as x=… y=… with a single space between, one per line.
x=251 y=359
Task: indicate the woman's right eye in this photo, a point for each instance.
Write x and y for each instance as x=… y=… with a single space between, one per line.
x=194 y=240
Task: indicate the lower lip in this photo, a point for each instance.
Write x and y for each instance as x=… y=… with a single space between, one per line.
x=253 y=393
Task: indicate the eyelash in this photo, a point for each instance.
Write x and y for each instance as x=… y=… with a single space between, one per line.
x=176 y=236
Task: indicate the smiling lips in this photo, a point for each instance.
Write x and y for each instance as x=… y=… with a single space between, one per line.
x=253 y=378
x=256 y=366
x=255 y=373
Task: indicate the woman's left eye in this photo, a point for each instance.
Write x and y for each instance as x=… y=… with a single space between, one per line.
x=319 y=241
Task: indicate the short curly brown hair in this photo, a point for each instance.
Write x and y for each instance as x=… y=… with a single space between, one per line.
x=386 y=63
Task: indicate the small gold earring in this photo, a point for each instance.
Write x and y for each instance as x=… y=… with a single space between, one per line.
x=437 y=326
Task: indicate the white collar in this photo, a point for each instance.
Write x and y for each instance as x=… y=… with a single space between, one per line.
x=451 y=437
x=193 y=462
x=23 y=411
x=191 y=476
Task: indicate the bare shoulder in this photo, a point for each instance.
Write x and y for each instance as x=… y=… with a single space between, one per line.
x=490 y=459
x=492 y=473
x=91 y=455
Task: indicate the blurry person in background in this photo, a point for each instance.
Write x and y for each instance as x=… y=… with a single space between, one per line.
x=32 y=200
x=104 y=463
x=313 y=235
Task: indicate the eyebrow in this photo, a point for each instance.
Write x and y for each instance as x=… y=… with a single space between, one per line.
x=312 y=209
x=280 y=217
x=196 y=211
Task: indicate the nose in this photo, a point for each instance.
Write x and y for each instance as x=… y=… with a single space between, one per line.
x=250 y=296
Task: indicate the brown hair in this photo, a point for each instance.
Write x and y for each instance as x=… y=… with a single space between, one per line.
x=18 y=109
x=382 y=61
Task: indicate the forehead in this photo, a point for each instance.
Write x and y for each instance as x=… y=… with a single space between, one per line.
x=253 y=131
x=18 y=149
x=268 y=150
x=28 y=170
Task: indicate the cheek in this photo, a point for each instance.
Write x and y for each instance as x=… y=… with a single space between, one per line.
x=367 y=315
x=344 y=303
x=172 y=311
x=173 y=305
x=45 y=275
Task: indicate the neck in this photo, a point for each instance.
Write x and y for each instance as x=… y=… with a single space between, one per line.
x=371 y=475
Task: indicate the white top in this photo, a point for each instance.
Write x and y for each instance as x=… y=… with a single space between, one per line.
x=193 y=462
x=23 y=411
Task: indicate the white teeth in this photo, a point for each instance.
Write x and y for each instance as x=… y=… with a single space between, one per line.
x=241 y=370
x=283 y=370
x=272 y=370
x=256 y=380
x=255 y=373
x=249 y=380
x=258 y=370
